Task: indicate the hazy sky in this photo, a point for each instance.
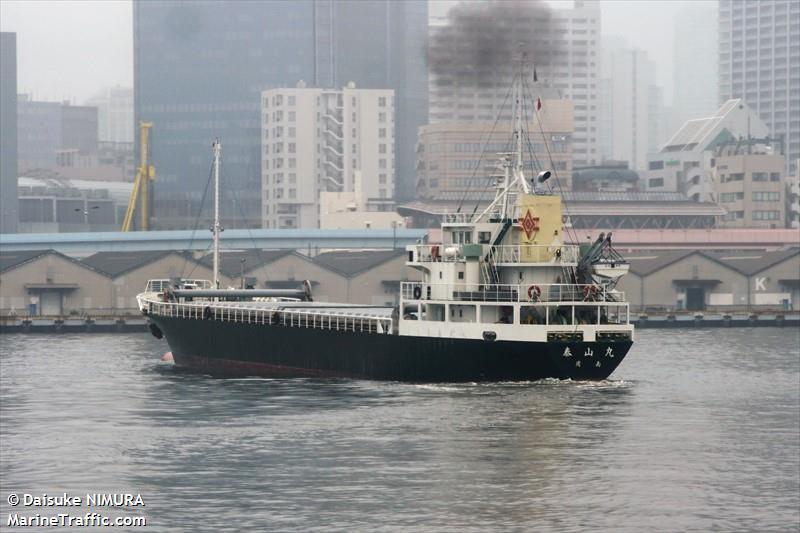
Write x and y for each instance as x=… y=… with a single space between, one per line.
x=69 y=49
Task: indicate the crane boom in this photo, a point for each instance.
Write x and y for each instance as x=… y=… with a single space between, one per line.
x=141 y=186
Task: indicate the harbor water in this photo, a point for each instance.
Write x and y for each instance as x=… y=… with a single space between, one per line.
x=697 y=430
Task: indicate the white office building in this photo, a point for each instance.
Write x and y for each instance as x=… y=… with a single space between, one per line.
x=686 y=162
x=114 y=114
x=317 y=140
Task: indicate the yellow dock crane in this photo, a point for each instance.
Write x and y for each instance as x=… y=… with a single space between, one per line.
x=141 y=186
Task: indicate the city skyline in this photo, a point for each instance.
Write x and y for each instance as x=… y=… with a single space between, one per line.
x=99 y=54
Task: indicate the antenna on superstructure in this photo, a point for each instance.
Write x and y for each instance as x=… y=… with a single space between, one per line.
x=513 y=177
x=518 y=118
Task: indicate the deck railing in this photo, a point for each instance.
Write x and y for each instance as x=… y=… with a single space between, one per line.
x=457 y=218
x=529 y=293
x=159 y=285
x=533 y=253
x=316 y=319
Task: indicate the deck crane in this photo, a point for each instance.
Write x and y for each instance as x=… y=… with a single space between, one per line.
x=144 y=175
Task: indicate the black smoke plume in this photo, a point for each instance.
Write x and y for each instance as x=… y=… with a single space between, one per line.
x=483 y=38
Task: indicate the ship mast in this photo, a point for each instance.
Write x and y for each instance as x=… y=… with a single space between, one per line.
x=217 y=227
x=518 y=112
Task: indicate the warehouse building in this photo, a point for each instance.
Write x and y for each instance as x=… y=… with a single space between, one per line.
x=363 y=277
x=130 y=271
x=48 y=283
x=691 y=280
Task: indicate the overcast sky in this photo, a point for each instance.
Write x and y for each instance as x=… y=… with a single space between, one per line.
x=70 y=49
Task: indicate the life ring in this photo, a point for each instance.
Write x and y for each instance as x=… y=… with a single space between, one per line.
x=417 y=292
x=207 y=313
x=534 y=292
x=589 y=291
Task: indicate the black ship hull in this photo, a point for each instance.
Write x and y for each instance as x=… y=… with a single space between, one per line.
x=239 y=349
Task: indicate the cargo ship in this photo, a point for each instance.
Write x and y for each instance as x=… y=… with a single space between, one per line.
x=504 y=296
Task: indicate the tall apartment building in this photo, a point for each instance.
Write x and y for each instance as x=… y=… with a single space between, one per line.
x=759 y=61
x=47 y=128
x=626 y=85
x=200 y=68
x=570 y=72
x=114 y=114
x=749 y=183
x=456 y=158
x=695 y=62
x=318 y=140
x=9 y=207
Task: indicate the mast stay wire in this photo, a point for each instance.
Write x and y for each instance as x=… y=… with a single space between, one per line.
x=256 y=249
x=531 y=151
x=197 y=263
x=570 y=229
x=480 y=158
x=508 y=145
x=197 y=219
x=244 y=218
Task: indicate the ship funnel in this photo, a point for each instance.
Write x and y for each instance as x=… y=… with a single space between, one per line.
x=544 y=176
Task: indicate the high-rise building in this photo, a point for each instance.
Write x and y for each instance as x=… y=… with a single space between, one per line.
x=38 y=134
x=456 y=158
x=45 y=129
x=200 y=68
x=694 y=76
x=320 y=140
x=570 y=71
x=657 y=126
x=79 y=128
x=9 y=210
x=759 y=61
x=114 y=114
x=627 y=82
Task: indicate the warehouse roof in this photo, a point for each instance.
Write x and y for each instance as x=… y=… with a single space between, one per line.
x=587 y=203
x=9 y=260
x=746 y=262
x=350 y=264
x=230 y=263
x=646 y=263
x=115 y=264
x=752 y=262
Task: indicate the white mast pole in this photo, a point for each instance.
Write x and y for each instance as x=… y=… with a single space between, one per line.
x=217 y=227
x=506 y=180
x=519 y=125
x=519 y=171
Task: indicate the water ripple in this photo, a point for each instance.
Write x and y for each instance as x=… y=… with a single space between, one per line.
x=697 y=430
